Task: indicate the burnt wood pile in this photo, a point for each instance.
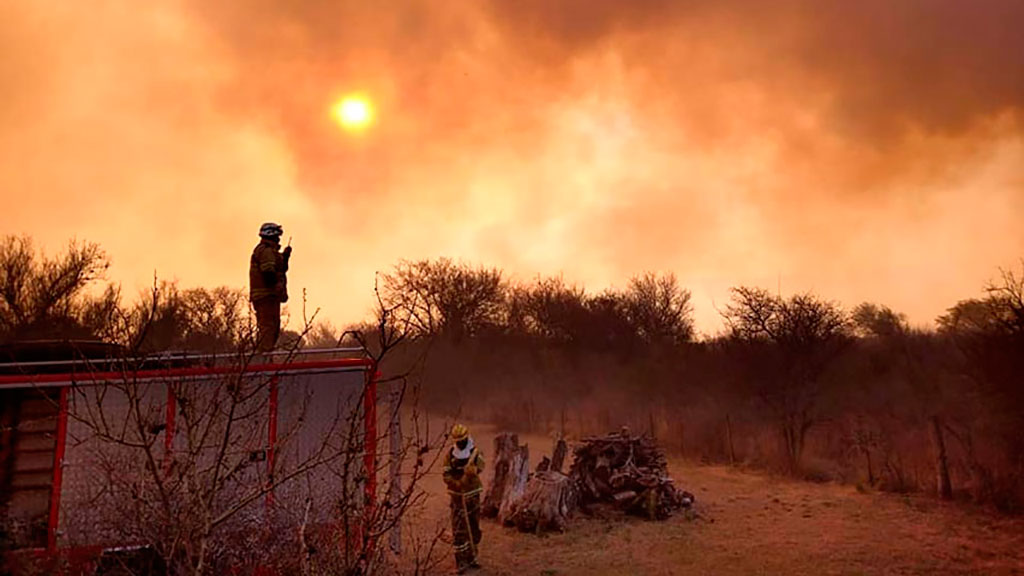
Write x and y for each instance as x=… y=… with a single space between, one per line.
x=620 y=471
x=627 y=472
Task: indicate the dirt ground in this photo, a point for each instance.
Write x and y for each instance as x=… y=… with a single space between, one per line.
x=748 y=523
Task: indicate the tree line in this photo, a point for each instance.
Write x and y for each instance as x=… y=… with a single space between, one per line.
x=797 y=383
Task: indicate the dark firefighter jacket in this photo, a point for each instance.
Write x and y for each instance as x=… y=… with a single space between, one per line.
x=267 y=258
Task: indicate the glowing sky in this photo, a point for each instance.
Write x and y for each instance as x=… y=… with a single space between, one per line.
x=863 y=150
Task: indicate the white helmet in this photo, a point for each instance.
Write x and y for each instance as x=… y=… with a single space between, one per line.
x=271 y=230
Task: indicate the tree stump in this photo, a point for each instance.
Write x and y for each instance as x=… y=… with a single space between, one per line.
x=558 y=455
x=546 y=505
x=545 y=464
x=511 y=469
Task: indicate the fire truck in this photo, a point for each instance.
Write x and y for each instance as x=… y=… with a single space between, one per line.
x=53 y=496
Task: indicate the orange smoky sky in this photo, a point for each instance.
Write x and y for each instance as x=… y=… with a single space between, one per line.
x=862 y=150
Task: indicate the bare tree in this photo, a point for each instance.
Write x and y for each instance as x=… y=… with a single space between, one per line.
x=659 y=309
x=877 y=320
x=215 y=494
x=322 y=335
x=653 y=310
x=973 y=315
x=445 y=298
x=410 y=457
x=198 y=319
x=549 y=309
x=989 y=334
x=43 y=296
x=1006 y=301
x=184 y=489
x=787 y=346
x=607 y=325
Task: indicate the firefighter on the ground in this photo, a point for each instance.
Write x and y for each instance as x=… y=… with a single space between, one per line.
x=268 y=284
x=463 y=465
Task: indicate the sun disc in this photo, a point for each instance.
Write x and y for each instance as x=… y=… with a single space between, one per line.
x=354 y=112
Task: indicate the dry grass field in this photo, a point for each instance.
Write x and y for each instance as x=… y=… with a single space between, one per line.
x=749 y=523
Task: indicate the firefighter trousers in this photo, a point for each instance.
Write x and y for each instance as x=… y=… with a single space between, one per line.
x=465 y=510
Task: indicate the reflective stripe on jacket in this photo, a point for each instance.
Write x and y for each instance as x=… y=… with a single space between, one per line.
x=465 y=484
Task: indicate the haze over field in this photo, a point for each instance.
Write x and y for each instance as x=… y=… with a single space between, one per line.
x=865 y=151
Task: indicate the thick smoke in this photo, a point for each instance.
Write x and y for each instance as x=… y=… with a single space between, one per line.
x=867 y=150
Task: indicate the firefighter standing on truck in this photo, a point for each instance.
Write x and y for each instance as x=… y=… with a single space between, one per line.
x=463 y=465
x=268 y=284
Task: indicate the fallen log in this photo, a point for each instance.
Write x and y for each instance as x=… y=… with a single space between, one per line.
x=624 y=496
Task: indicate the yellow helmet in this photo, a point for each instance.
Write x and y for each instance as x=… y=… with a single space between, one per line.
x=459 y=432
